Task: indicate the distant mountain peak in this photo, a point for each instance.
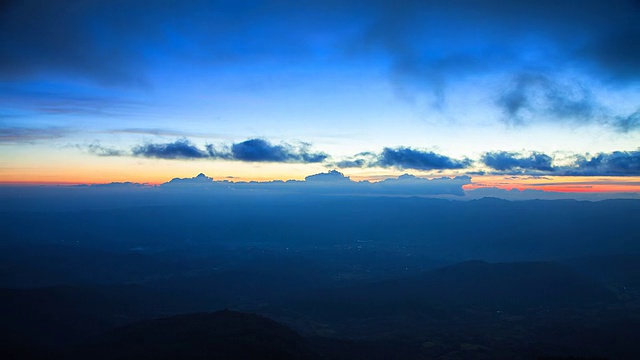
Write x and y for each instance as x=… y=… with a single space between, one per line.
x=198 y=180
x=331 y=176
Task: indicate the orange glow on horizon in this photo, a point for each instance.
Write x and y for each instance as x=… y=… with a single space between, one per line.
x=567 y=184
x=599 y=188
x=575 y=184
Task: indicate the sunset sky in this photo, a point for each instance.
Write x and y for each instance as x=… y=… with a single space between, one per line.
x=527 y=94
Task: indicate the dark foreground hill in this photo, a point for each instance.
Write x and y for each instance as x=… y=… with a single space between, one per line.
x=220 y=335
x=479 y=310
x=60 y=315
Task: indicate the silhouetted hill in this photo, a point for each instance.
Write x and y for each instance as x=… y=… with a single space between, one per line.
x=220 y=335
x=64 y=314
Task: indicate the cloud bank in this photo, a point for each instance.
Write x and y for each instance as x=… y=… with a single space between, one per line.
x=617 y=163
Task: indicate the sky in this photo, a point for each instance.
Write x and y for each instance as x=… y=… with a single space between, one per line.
x=528 y=95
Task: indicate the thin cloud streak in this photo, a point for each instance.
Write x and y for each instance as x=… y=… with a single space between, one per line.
x=30 y=135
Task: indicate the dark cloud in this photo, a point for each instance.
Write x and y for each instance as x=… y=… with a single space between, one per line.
x=100 y=150
x=114 y=42
x=511 y=161
x=360 y=160
x=627 y=123
x=260 y=150
x=429 y=42
x=219 y=152
x=533 y=95
x=180 y=149
x=439 y=41
x=408 y=158
x=430 y=45
x=404 y=158
x=252 y=150
x=617 y=163
x=354 y=163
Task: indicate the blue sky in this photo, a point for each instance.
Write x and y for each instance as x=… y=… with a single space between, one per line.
x=375 y=88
